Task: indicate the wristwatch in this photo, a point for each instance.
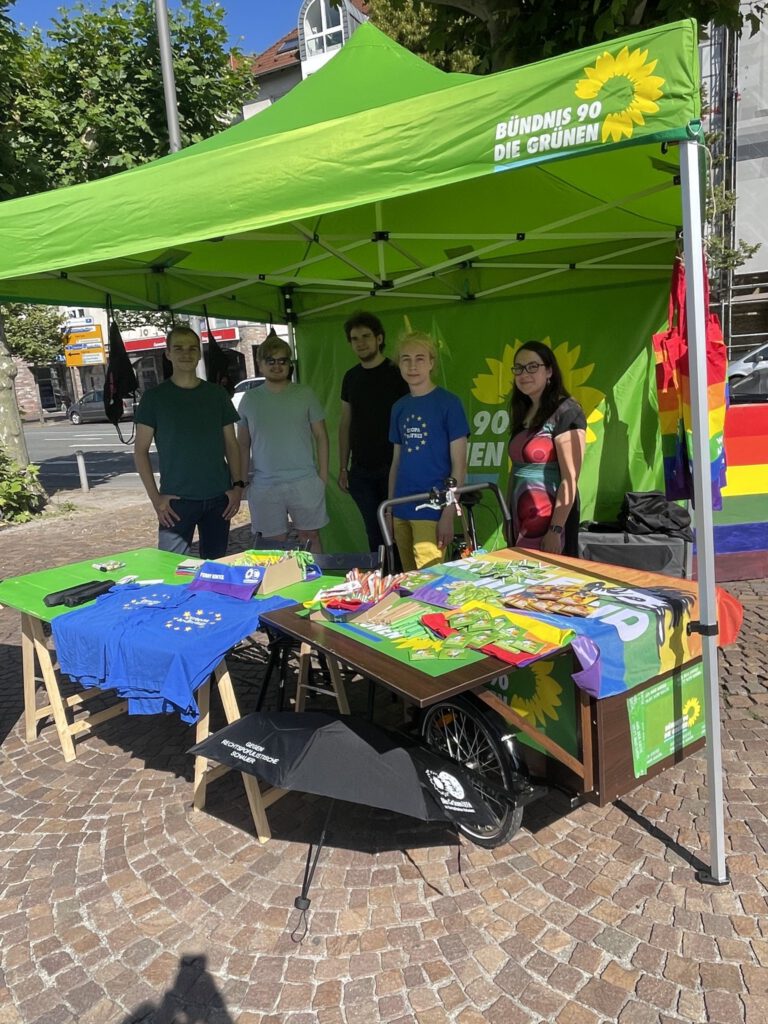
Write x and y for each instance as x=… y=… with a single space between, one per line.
x=555 y=529
x=239 y=483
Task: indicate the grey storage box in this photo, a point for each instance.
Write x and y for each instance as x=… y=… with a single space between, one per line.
x=654 y=552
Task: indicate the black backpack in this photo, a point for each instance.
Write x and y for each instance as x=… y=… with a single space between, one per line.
x=651 y=512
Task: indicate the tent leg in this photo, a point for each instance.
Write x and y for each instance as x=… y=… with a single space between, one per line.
x=702 y=490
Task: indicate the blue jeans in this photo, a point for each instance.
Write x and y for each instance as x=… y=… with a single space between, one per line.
x=206 y=515
x=368 y=488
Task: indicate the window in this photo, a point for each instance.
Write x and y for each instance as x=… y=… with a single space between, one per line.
x=322 y=27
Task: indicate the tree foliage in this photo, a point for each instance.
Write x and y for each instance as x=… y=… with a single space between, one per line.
x=413 y=24
x=11 y=86
x=21 y=493
x=508 y=33
x=93 y=104
x=33 y=333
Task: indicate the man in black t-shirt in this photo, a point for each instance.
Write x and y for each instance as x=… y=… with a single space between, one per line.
x=368 y=392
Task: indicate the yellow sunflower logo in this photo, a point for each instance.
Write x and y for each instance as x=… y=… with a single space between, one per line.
x=542 y=699
x=494 y=387
x=627 y=88
x=692 y=711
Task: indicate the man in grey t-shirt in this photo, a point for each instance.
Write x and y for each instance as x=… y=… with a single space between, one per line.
x=281 y=431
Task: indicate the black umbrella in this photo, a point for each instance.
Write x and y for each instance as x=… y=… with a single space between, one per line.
x=347 y=758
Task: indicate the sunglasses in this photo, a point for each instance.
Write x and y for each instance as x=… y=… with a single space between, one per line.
x=279 y=361
x=517 y=369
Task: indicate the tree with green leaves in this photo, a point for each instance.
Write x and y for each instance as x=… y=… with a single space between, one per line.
x=508 y=33
x=12 y=62
x=413 y=25
x=86 y=101
x=93 y=103
x=33 y=333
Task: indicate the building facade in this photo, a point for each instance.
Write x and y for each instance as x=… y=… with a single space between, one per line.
x=320 y=32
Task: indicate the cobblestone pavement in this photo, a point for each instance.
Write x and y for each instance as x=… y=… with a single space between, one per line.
x=120 y=905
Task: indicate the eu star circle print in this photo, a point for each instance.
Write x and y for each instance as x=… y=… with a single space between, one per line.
x=415 y=432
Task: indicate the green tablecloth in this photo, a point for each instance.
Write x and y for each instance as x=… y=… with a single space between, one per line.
x=26 y=593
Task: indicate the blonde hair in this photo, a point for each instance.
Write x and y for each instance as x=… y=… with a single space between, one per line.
x=271 y=345
x=417 y=338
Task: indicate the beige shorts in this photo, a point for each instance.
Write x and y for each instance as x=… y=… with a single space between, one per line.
x=271 y=505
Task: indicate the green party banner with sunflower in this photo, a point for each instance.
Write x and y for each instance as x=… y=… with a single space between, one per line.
x=601 y=339
x=545 y=695
x=609 y=94
x=666 y=717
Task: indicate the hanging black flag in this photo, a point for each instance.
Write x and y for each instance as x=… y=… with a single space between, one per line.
x=218 y=364
x=120 y=381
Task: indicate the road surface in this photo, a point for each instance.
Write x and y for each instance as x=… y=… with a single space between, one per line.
x=52 y=447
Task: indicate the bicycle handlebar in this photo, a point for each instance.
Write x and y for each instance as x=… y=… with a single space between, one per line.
x=442 y=497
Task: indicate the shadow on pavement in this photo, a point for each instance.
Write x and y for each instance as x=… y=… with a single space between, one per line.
x=61 y=473
x=194 y=999
x=662 y=836
x=11 y=691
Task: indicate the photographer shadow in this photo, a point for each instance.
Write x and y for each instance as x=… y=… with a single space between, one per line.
x=193 y=998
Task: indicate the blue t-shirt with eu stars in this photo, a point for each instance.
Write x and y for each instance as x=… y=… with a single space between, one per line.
x=424 y=426
x=155 y=645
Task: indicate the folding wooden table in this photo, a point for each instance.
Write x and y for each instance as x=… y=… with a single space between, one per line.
x=70 y=713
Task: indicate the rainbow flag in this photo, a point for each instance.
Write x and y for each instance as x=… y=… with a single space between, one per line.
x=741 y=527
x=673 y=387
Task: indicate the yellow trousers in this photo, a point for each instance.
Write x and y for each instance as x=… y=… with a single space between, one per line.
x=416 y=541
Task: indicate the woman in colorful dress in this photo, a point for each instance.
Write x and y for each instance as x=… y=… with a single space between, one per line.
x=546 y=449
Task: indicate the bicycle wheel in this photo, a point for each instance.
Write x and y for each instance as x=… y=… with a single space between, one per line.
x=461 y=732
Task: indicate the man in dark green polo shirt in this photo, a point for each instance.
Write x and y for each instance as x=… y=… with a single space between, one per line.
x=191 y=422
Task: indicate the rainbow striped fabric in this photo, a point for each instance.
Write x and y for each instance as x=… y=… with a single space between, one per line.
x=741 y=528
x=674 y=396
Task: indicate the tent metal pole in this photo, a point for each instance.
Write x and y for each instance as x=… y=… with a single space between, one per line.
x=169 y=80
x=702 y=490
x=136 y=300
x=380 y=243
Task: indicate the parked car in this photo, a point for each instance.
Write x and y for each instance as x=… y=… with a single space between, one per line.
x=755 y=360
x=245 y=386
x=90 y=408
x=752 y=388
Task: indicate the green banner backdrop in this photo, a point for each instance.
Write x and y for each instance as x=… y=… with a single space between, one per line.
x=601 y=337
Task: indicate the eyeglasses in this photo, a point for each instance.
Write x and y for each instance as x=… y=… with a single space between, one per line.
x=279 y=361
x=517 y=369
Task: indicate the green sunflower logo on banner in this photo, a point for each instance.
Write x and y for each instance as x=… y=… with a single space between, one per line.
x=536 y=695
x=626 y=88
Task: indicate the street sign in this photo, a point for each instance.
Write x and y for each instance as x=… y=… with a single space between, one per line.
x=84 y=347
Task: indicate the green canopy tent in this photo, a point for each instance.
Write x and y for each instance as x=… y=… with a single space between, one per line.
x=383 y=182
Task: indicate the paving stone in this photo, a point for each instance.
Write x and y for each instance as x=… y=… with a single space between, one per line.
x=505 y=1011
x=721 y=976
x=657 y=992
x=616 y=942
x=638 y=1013
x=588 y=918
x=603 y=997
x=575 y=1014
x=723 y=1008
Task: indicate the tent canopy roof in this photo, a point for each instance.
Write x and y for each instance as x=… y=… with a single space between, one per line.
x=382 y=180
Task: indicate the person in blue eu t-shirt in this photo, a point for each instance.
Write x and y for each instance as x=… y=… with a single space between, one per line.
x=428 y=428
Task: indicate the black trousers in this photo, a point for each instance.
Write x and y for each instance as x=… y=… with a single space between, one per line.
x=368 y=488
